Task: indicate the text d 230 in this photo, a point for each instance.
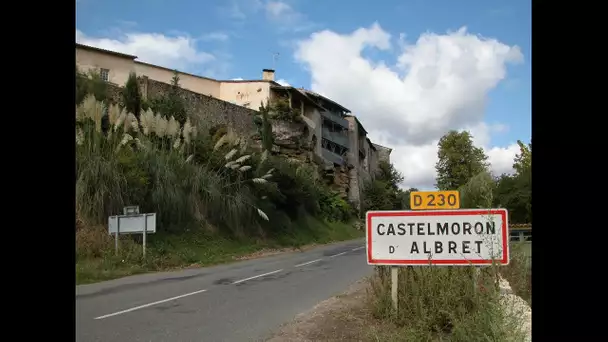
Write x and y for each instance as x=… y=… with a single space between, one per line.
x=435 y=200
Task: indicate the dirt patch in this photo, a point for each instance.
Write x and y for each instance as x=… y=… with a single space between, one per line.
x=345 y=317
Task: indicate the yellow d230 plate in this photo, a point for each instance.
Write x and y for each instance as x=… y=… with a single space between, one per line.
x=422 y=200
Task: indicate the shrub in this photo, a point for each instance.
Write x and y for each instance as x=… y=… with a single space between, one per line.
x=131 y=96
x=150 y=162
x=90 y=82
x=437 y=303
x=171 y=104
x=333 y=207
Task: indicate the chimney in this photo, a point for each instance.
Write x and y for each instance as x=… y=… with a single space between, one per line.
x=268 y=75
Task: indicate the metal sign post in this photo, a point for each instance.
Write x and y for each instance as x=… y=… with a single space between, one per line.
x=144 y=235
x=131 y=223
x=116 y=236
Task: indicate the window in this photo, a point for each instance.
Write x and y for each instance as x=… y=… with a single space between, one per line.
x=105 y=75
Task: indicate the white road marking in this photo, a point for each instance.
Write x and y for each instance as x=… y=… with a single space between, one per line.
x=307 y=263
x=150 y=304
x=261 y=275
x=335 y=255
x=358 y=248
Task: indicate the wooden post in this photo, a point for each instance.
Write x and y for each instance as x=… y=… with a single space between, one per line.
x=395 y=287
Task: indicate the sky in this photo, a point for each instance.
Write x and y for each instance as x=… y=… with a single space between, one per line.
x=410 y=70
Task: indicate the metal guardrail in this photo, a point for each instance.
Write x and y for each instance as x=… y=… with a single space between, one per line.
x=520 y=232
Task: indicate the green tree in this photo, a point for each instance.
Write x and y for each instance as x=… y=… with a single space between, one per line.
x=523 y=160
x=171 y=104
x=478 y=191
x=389 y=174
x=90 y=82
x=514 y=192
x=265 y=127
x=459 y=160
x=378 y=196
x=131 y=96
x=406 y=197
x=384 y=193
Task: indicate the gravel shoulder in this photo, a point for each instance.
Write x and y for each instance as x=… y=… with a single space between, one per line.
x=345 y=317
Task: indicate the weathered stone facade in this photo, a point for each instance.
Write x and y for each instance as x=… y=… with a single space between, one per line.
x=205 y=111
x=293 y=140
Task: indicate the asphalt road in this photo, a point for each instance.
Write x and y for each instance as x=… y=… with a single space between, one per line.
x=242 y=301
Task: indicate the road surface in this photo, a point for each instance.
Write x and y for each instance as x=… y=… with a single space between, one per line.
x=242 y=301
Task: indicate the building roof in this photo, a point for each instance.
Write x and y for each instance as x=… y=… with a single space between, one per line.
x=378 y=146
x=371 y=144
x=319 y=96
x=181 y=72
x=249 y=81
x=92 y=48
x=297 y=91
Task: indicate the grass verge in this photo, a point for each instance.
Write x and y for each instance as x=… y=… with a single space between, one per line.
x=519 y=271
x=442 y=303
x=96 y=260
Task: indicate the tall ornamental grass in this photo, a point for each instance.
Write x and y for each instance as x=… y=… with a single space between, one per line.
x=151 y=162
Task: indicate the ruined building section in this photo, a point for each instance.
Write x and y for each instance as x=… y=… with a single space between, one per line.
x=384 y=153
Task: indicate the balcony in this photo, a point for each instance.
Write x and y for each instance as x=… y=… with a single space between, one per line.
x=332 y=157
x=335 y=118
x=337 y=137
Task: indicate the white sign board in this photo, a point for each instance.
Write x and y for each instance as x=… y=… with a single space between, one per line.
x=438 y=237
x=132 y=224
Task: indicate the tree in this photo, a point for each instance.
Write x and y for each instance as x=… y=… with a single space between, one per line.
x=131 y=96
x=384 y=193
x=523 y=160
x=389 y=174
x=265 y=127
x=514 y=192
x=478 y=192
x=459 y=160
x=406 y=197
x=171 y=104
x=90 y=82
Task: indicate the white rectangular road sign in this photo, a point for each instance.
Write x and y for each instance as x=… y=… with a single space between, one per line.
x=132 y=224
x=438 y=237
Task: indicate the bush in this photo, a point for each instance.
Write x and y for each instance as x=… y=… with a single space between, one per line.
x=90 y=82
x=131 y=96
x=333 y=207
x=438 y=303
x=154 y=168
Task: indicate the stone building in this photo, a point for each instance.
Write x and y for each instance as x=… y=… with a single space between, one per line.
x=335 y=137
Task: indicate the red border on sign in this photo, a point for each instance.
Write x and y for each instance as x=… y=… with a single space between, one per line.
x=458 y=212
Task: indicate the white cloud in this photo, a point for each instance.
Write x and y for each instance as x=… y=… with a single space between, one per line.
x=439 y=83
x=240 y=9
x=286 y=17
x=283 y=82
x=216 y=36
x=179 y=52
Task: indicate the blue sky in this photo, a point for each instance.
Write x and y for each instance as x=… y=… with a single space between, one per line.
x=237 y=38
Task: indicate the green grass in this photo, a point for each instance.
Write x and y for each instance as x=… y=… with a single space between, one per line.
x=98 y=261
x=441 y=304
x=519 y=271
